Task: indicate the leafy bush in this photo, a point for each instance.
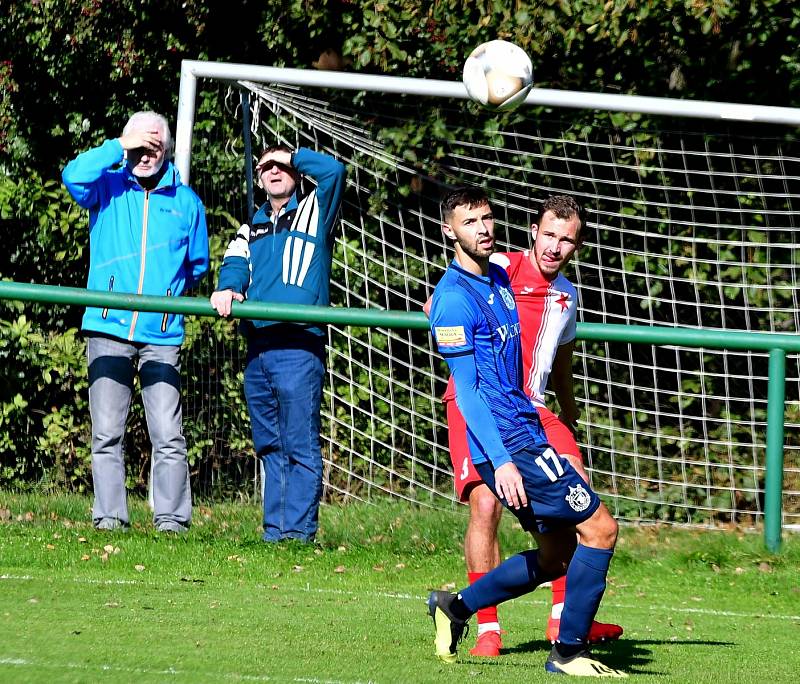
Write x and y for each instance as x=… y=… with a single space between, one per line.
x=75 y=69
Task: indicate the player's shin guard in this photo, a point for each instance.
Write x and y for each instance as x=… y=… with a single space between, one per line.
x=514 y=577
x=586 y=582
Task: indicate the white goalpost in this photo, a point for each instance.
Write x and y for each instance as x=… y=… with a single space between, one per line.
x=693 y=223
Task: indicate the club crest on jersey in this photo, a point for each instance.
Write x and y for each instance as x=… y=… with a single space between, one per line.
x=578 y=498
x=508 y=298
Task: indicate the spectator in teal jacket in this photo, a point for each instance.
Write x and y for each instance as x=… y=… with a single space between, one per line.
x=147 y=235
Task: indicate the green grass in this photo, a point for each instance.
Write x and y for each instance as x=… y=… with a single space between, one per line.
x=219 y=605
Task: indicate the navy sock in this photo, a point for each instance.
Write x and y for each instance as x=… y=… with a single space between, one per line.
x=568 y=650
x=514 y=577
x=586 y=582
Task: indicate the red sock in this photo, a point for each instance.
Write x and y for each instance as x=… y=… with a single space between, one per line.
x=559 y=588
x=486 y=616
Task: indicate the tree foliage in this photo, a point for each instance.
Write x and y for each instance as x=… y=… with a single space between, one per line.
x=72 y=71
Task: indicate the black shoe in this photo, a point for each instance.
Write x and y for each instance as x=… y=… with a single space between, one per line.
x=449 y=629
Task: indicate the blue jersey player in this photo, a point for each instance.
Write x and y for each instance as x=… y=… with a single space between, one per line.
x=474 y=321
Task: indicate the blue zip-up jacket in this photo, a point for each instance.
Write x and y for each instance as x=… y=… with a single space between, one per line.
x=151 y=242
x=287 y=258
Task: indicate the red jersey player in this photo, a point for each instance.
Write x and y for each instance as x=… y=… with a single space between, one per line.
x=547 y=306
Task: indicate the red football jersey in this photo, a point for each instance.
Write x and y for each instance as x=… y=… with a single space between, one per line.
x=547 y=314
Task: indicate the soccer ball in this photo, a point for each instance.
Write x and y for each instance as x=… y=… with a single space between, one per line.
x=498 y=74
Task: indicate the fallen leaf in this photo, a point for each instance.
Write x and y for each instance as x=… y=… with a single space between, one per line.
x=339 y=569
x=50 y=547
x=138 y=568
x=108 y=548
x=400 y=566
x=298 y=568
x=85 y=557
x=82 y=540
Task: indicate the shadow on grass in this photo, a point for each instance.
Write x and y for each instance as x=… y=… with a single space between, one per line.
x=630 y=655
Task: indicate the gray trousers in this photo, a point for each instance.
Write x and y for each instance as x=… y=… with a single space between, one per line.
x=112 y=366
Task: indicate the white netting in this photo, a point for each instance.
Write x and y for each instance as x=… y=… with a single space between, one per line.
x=688 y=226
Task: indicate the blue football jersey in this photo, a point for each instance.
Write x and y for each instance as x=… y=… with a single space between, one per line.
x=476 y=315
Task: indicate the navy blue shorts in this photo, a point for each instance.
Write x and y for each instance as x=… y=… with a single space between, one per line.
x=557 y=496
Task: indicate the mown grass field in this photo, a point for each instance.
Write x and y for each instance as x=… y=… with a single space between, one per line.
x=218 y=605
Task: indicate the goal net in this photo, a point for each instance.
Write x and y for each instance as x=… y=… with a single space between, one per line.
x=691 y=224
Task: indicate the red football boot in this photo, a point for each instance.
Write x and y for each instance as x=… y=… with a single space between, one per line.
x=488 y=645
x=598 y=633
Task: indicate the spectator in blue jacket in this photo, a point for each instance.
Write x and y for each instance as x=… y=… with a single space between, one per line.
x=147 y=235
x=286 y=257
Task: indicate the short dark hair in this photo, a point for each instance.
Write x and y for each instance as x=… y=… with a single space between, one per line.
x=468 y=196
x=563 y=207
x=280 y=147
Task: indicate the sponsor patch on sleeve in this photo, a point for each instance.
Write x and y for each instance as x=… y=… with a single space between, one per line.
x=451 y=336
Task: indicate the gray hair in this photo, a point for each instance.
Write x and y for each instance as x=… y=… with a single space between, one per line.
x=141 y=119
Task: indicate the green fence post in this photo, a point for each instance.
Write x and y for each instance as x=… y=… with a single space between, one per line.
x=773 y=479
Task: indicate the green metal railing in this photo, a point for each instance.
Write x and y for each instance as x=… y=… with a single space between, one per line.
x=778 y=345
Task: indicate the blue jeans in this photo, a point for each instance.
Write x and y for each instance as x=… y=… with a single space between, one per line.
x=283 y=386
x=112 y=366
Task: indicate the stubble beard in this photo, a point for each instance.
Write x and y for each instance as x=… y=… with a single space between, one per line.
x=475 y=253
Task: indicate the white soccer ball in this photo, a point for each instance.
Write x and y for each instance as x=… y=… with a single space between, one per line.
x=498 y=74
